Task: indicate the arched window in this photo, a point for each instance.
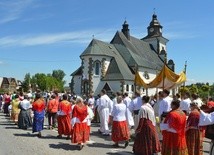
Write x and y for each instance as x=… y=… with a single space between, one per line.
x=97 y=68
x=132 y=87
x=127 y=87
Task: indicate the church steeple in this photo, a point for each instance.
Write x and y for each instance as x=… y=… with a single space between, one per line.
x=125 y=30
x=154 y=36
x=154 y=29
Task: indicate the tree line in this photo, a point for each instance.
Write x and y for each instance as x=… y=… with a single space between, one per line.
x=44 y=82
x=204 y=90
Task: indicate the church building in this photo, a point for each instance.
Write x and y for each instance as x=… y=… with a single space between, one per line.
x=112 y=66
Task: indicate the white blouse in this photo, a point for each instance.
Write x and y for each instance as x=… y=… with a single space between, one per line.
x=119 y=112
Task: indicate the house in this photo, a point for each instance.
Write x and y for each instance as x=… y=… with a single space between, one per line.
x=8 y=84
x=112 y=66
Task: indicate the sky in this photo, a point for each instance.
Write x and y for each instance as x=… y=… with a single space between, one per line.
x=39 y=36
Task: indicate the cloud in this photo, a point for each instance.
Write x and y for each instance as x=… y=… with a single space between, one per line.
x=10 y=11
x=84 y=36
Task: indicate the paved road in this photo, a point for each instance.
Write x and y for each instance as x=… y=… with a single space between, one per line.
x=15 y=141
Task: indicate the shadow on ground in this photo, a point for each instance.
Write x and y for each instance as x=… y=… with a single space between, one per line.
x=25 y=134
x=64 y=146
x=101 y=145
x=119 y=153
x=11 y=127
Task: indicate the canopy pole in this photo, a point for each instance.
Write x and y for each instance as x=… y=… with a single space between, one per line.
x=185 y=70
x=165 y=59
x=135 y=86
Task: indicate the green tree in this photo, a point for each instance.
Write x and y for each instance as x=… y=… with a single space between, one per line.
x=44 y=82
x=212 y=90
x=40 y=80
x=26 y=84
x=183 y=89
x=53 y=84
x=193 y=89
x=58 y=74
x=205 y=91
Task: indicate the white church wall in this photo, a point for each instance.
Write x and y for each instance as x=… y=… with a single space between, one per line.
x=97 y=84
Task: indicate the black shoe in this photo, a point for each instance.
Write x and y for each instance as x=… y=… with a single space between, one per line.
x=59 y=136
x=115 y=145
x=39 y=135
x=126 y=144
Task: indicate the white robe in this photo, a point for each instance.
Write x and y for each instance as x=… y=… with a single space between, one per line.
x=206 y=119
x=104 y=111
x=129 y=116
x=135 y=104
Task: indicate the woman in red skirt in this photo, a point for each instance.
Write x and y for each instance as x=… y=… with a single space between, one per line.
x=173 y=130
x=194 y=133
x=146 y=139
x=80 y=133
x=120 y=130
x=64 y=117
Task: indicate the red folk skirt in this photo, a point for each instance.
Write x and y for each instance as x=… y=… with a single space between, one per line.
x=173 y=144
x=120 y=131
x=80 y=133
x=64 y=125
x=146 y=140
x=194 y=141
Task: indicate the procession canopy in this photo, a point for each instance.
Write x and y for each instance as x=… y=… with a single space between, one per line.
x=166 y=79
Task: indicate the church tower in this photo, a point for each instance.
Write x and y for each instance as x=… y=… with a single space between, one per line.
x=154 y=36
x=125 y=30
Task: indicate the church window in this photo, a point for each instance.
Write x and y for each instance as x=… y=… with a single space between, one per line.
x=132 y=87
x=97 y=68
x=127 y=87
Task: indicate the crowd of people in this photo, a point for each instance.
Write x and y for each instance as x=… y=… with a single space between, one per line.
x=161 y=123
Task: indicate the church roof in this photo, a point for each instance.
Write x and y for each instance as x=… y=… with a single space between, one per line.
x=126 y=52
x=136 y=51
x=77 y=72
x=97 y=47
x=118 y=69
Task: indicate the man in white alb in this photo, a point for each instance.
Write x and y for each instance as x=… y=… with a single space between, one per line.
x=185 y=103
x=129 y=116
x=105 y=106
x=135 y=106
x=165 y=104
